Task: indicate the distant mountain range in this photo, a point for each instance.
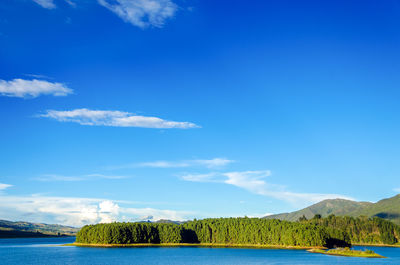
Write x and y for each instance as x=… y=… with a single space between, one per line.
x=388 y=209
x=26 y=229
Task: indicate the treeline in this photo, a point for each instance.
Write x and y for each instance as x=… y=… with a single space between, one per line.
x=360 y=230
x=219 y=231
x=17 y=234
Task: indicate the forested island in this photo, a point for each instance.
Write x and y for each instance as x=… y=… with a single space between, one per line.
x=218 y=231
x=330 y=232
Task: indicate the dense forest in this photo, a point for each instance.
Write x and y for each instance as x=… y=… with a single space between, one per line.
x=360 y=230
x=216 y=231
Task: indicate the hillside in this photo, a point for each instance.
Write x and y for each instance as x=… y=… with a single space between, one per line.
x=32 y=229
x=388 y=209
x=324 y=208
x=4 y=233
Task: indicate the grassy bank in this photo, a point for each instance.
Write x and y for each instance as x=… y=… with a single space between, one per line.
x=346 y=252
x=191 y=245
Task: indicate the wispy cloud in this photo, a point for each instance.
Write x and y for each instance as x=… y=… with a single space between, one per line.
x=77 y=211
x=55 y=177
x=114 y=118
x=142 y=13
x=210 y=177
x=32 y=88
x=49 y=4
x=71 y=3
x=254 y=182
x=396 y=190
x=4 y=186
x=209 y=163
x=38 y=76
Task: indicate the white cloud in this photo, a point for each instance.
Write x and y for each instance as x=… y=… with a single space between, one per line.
x=210 y=177
x=54 y=177
x=396 y=190
x=4 y=186
x=115 y=119
x=142 y=13
x=32 y=88
x=254 y=182
x=215 y=162
x=209 y=163
x=49 y=4
x=77 y=211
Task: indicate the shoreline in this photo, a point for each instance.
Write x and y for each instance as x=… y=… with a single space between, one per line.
x=216 y=245
x=377 y=245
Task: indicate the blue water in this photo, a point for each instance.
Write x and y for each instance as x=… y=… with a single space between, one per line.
x=48 y=251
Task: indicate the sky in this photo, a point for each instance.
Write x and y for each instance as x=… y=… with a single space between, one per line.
x=127 y=110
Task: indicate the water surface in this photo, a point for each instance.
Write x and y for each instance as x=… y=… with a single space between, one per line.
x=48 y=251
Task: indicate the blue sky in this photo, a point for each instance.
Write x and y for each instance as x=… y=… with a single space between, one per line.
x=149 y=109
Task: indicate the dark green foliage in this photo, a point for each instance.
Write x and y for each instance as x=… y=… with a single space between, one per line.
x=302 y=219
x=220 y=231
x=361 y=230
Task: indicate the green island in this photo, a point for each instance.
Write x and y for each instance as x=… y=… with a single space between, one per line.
x=347 y=252
x=217 y=232
x=332 y=235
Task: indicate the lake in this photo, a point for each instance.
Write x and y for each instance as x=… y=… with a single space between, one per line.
x=48 y=251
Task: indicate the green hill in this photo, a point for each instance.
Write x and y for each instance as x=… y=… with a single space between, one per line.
x=324 y=208
x=22 y=229
x=388 y=209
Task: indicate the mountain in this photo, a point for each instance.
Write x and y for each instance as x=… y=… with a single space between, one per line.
x=17 y=229
x=166 y=221
x=387 y=209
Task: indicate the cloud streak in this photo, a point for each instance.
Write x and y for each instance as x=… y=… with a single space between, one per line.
x=77 y=211
x=22 y=88
x=115 y=119
x=209 y=163
x=4 y=186
x=254 y=182
x=142 y=13
x=54 y=177
x=48 y=4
